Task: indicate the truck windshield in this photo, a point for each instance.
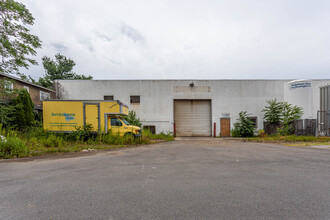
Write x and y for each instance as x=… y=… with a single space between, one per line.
x=124 y=121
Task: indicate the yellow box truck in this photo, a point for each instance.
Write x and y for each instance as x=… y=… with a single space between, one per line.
x=102 y=116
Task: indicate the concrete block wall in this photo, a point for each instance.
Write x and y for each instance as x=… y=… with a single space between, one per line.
x=157 y=96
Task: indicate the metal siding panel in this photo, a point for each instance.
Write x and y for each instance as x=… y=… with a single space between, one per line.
x=201 y=118
x=183 y=118
x=328 y=97
x=192 y=117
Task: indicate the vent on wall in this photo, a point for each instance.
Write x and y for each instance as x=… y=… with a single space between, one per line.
x=108 y=97
x=135 y=99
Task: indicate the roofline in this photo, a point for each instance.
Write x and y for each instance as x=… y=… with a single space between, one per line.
x=87 y=100
x=18 y=79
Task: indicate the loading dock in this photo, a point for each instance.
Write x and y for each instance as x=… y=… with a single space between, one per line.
x=192 y=117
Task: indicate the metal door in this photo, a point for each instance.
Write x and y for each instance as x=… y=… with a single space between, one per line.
x=192 y=117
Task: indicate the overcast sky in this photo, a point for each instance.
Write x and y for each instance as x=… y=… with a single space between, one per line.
x=186 y=39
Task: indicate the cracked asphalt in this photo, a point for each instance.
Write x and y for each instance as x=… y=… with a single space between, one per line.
x=189 y=178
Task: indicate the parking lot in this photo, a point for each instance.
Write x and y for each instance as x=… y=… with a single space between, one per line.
x=189 y=178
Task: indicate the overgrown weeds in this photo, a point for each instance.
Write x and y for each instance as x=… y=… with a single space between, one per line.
x=288 y=139
x=36 y=141
x=164 y=136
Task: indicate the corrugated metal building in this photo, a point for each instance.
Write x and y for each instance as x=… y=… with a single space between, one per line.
x=324 y=113
x=194 y=106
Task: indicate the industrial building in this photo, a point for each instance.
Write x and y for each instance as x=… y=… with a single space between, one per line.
x=196 y=107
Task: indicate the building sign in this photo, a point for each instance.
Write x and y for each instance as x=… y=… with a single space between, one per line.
x=300 y=85
x=225 y=115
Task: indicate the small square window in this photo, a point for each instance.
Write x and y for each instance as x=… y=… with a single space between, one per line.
x=27 y=88
x=44 y=96
x=254 y=121
x=108 y=97
x=135 y=99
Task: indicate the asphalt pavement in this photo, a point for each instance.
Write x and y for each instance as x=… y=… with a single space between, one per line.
x=190 y=178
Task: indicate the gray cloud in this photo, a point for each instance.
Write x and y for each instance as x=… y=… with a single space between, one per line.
x=104 y=37
x=131 y=33
x=60 y=47
x=187 y=39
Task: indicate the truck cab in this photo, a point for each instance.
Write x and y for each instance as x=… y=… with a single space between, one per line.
x=118 y=125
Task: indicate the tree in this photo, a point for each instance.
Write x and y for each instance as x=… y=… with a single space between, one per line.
x=23 y=115
x=16 y=43
x=282 y=114
x=6 y=93
x=61 y=68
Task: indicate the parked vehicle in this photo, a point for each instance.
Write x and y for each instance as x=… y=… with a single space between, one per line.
x=103 y=116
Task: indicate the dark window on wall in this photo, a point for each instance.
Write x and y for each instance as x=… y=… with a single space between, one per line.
x=254 y=121
x=108 y=97
x=151 y=128
x=135 y=99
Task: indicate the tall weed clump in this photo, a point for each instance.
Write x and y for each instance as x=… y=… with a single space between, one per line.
x=52 y=141
x=244 y=127
x=146 y=133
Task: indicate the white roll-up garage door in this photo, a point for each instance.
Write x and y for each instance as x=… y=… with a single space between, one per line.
x=192 y=117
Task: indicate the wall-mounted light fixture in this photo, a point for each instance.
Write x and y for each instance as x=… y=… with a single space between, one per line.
x=192 y=84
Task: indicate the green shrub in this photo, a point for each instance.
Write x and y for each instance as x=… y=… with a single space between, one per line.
x=289 y=114
x=244 y=127
x=261 y=133
x=12 y=147
x=273 y=112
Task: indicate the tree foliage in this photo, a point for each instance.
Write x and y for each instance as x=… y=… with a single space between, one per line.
x=60 y=68
x=282 y=112
x=244 y=127
x=17 y=44
x=6 y=94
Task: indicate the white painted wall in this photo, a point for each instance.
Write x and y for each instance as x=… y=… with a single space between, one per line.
x=156 y=107
x=307 y=98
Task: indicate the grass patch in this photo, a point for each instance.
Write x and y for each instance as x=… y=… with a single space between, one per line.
x=291 y=139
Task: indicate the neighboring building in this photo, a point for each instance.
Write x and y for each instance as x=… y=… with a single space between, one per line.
x=37 y=93
x=193 y=106
x=324 y=113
